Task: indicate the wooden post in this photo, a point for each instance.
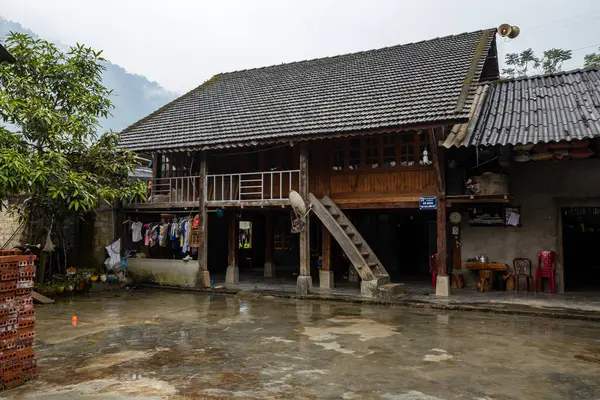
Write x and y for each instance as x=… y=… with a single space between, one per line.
x=442 y=287
x=203 y=278
x=233 y=272
x=304 y=283
x=326 y=249
x=326 y=274
x=436 y=156
x=441 y=236
x=269 y=266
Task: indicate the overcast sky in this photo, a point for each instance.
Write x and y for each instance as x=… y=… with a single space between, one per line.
x=181 y=43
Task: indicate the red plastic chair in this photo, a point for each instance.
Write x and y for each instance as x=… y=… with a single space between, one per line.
x=546 y=269
x=433 y=268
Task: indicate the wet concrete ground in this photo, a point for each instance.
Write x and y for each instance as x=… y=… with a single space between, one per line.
x=158 y=344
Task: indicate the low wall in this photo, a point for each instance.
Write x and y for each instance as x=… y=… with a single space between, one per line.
x=8 y=226
x=163 y=272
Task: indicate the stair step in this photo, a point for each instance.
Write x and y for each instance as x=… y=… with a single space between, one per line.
x=372 y=264
x=334 y=213
x=343 y=224
x=365 y=253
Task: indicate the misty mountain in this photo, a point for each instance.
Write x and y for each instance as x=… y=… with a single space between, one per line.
x=134 y=96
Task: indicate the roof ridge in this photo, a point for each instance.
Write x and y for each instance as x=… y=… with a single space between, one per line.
x=540 y=76
x=492 y=30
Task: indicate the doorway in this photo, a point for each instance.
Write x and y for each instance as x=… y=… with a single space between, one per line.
x=580 y=237
x=401 y=239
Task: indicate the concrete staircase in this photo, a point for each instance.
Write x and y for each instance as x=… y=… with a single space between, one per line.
x=375 y=280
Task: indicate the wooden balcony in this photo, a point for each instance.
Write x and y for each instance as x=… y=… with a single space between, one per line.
x=252 y=189
x=269 y=188
x=169 y=193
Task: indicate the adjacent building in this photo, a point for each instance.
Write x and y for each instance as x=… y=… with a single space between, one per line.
x=539 y=137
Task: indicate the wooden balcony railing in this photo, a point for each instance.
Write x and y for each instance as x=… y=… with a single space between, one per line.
x=251 y=186
x=182 y=190
x=265 y=187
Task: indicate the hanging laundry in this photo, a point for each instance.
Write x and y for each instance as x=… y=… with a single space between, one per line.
x=49 y=246
x=147 y=234
x=162 y=235
x=136 y=231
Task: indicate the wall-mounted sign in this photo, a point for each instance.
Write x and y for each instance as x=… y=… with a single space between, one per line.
x=428 y=203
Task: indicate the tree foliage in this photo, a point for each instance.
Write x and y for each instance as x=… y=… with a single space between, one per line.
x=592 y=60
x=50 y=151
x=521 y=64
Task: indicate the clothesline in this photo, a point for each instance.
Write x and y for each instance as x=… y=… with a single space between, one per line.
x=175 y=233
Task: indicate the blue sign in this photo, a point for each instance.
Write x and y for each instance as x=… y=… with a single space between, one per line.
x=428 y=203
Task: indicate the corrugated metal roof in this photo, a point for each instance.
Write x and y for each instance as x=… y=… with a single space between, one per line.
x=547 y=108
x=411 y=84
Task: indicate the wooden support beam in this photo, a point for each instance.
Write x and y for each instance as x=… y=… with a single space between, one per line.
x=268 y=238
x=441 y=236
x=325 y=248
x=203 y=278
x=305 y=234
x=269 y=269
x=437 y=162
x=248 y=204
x=232 y=276
x=232 y=240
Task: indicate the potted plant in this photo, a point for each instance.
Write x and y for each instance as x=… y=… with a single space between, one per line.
x=60 y=287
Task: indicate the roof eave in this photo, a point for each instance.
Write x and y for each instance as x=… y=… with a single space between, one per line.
x=308 y=137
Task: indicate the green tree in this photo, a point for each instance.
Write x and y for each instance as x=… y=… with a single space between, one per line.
x=592 y=60
x=50 y=151
x=521 y=64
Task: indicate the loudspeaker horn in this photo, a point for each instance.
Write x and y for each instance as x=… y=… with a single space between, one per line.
x=514 y=32
x=504 y=30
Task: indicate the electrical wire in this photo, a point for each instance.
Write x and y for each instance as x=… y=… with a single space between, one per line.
x=552 y=26
x=557 y=21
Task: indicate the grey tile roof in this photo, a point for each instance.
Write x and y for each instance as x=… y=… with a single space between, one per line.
x=424 y=82
x=546 y=108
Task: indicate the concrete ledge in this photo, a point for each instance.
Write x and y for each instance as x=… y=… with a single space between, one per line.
x=391 y=291
x=371 y=289
x=406 y=301
x=164 y=272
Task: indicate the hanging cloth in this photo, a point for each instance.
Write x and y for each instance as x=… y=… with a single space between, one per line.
x=49 y=246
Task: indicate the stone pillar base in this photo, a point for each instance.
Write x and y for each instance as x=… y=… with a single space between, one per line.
x=442 y=286
x=303 y=285
x=326 y=280
x=203 y=279
x=269 y=270
x=232 y=275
